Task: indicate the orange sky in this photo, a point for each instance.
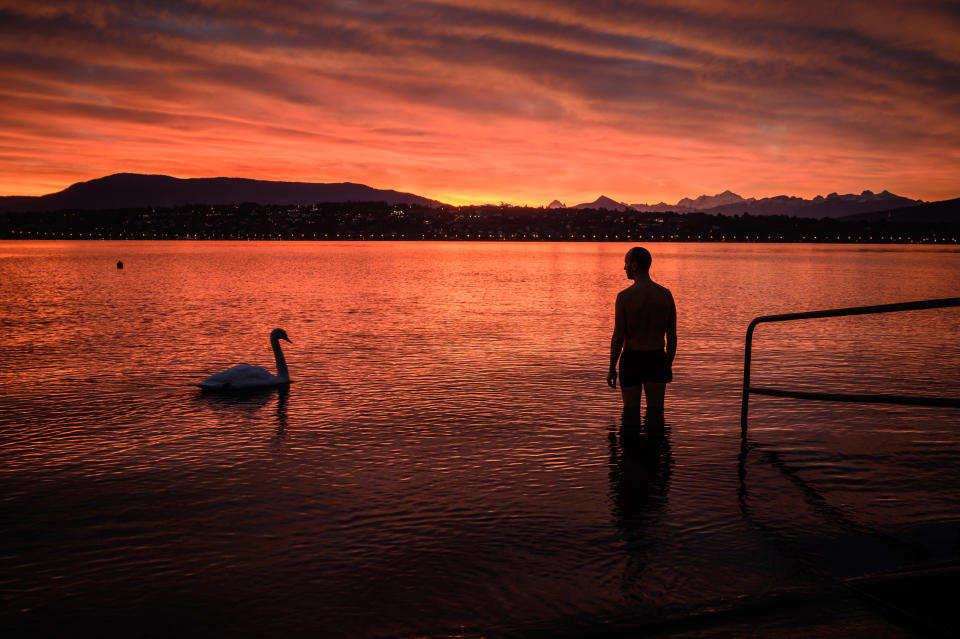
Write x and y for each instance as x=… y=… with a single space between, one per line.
x=467 y=101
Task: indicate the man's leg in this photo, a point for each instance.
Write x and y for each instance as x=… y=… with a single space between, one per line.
x=632 y=407
x=655 y=392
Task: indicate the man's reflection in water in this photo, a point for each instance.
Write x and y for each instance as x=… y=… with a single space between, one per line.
x=640 y=467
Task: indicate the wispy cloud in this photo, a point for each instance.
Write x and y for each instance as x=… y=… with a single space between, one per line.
x=494 y=100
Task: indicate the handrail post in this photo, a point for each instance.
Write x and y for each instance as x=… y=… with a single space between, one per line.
x=745 y=401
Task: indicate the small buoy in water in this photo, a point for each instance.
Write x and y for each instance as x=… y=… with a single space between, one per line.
x=119 y=264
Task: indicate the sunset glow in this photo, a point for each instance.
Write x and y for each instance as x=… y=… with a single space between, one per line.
x=466 y=101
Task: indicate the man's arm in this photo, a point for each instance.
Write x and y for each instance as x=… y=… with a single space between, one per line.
x=616 y=342
x=672 y=332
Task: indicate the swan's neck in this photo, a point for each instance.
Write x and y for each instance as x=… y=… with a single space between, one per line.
x=282 y=371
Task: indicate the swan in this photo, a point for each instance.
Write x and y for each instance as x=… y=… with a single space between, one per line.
x=244 y=376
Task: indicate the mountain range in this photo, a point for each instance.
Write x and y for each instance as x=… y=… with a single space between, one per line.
x=132 y=190
x=729 y=203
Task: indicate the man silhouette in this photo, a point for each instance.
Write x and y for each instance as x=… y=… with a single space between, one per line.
x=644 y=315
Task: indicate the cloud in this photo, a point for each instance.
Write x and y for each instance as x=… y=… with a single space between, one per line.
x=492 y=100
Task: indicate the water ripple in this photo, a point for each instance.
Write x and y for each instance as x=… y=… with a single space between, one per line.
x=448 y=458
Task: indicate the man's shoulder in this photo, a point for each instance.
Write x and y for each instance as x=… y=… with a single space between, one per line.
x=662 y=291
x=660 y=288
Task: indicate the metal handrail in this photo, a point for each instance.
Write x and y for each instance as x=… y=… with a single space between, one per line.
x=912 y=400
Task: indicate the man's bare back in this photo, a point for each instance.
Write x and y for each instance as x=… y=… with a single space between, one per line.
x=647 y=310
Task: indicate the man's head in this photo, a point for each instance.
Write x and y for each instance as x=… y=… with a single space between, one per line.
x=637 y=262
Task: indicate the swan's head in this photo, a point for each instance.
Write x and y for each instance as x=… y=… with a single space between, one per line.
x=279 y=333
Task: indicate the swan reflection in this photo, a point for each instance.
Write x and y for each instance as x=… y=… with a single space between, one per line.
x=282 y=395
x=250 y=403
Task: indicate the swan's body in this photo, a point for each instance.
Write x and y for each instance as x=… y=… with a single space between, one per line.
x=245 y=376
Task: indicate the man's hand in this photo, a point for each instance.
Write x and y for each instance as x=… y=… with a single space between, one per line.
x=612 y=378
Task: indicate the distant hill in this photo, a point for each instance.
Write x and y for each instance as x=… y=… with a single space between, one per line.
x=929 y=212
x=132 y=190
x=707 y=202
x=603 y=202
x=729 y=203
x=662 y=207
x=687 y=205
x=832 y=206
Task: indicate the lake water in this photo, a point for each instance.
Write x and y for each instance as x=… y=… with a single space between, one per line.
x=446 y=462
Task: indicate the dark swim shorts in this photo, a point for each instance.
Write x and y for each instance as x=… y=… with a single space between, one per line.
x=637 y=367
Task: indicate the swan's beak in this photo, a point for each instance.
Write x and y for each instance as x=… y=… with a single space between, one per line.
x=287 y=339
